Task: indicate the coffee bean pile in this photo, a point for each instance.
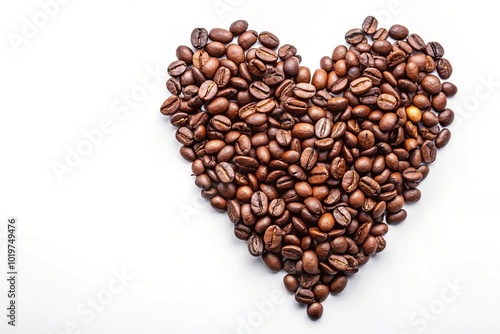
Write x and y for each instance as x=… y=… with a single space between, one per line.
x=310 y=168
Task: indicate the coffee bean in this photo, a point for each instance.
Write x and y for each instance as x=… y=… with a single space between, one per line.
x=308 y=158
x=255 y=245
x=387 y=102
x=428 y=151
x=434 y=49
x=315 y=311
x=369 y=25
x=354 y=36
x=304 y=296
x=304 y=90
x=238 y=27
x=416 y=42
x=199 y=38
x=444 y=68
x=268 y=39
x=342 y=216
x=398 y=32
x=272 y=261
x=291 y=282
x=350 y=181
x=259 y=90
x=310 y=262
x=443 y=138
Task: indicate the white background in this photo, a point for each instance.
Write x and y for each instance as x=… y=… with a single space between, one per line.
x=122 y=242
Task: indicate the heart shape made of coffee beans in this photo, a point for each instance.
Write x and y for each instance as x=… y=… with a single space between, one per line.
x=310 y=168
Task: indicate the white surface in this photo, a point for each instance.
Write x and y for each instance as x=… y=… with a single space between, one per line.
x=124 y=243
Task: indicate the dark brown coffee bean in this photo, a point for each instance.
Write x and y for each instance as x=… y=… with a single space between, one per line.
x=291 y=283
x=238 y=27
x=429 y=151
x=342 y=216
x=286 y=51
x=323 y=128
x=369 y=186
x=221 y=35
x=387 y=102
x=315 y=311
x=266 y=55
x=412 y=195
x=304 y=90
x=339 y=263
x=255 y=245
x=292 y=252
x=444 y=68
x=272 y=238
x=369 y=25
x=434 y=49
x=269 y=40
x=338 y=284
x=398 y=32
x=304 y=296
x=397 y=217
x=308 y=158
x=208 y=90
x=416 y=42
x=247 y=39
x=361 y=85
x=446 y=117
x=321 y=292
x=199 y=38
x=310 y=262
x=225 y=172
x=449 y=89
x=246 y=163
x=354 y=36
x=273 y=261
x=443 y=138
x=219 y=203
x=171 y=105
x=177 y=68
x=259 y=90
x=350 y=181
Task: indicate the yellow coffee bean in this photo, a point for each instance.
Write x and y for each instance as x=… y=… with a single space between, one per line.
x=414 y=114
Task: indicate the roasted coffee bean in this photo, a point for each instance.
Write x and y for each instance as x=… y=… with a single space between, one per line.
x=269 y=39
x=369 y=25
x=342 y=216
x=308 y=158
x=339 y=262
x=199 y=38
x=369 y=186
x=310 y=262
x=304 y=296
x=398 y=32
x=314 y=311
x=292 y=252
x=350 y=181
x=290 y=281
x=429 y=151
x=273 y=261
x=449 y=89
x=434 y=49
x=444 y=68
x=387 y=102
x=354 y=36
x=255 y=245
x=416 y=42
